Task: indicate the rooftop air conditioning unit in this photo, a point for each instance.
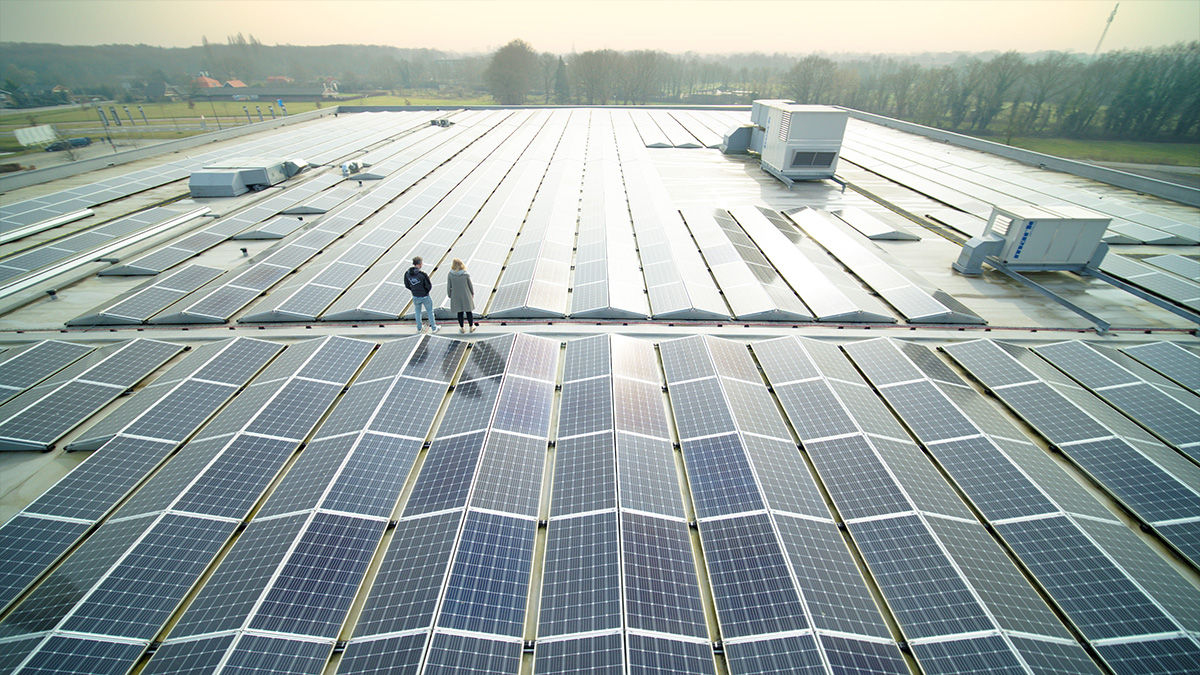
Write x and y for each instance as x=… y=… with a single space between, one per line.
x=236 y=176
x=794 y=142
x=1037 y=238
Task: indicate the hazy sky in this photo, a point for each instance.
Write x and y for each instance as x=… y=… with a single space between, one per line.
x=705 y=26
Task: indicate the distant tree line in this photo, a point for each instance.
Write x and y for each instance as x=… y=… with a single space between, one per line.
x=1151 y=94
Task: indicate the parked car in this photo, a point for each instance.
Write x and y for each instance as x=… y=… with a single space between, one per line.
x=68 y=143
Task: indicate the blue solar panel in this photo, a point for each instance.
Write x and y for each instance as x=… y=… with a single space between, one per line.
x=652 y=655
x=490 y=577
x=751 y=585
x=405 y=593
x=581 y=584
x=598 y=655
x=446 y=475
x=661 y=590
x=384 y=657
x=585 y=476
x=796 y=654
x=721 y=479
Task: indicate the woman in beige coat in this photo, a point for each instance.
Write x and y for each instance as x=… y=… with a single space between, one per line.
x=462 y=294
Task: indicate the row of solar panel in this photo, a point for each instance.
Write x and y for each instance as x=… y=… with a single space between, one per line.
x=318 y=144
x=757 y=505
x=973 y=183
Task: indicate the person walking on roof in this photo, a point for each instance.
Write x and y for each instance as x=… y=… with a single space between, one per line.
x=418 y=282
x=462 y=294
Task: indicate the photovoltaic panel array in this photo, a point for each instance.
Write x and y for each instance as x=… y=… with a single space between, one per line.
x=485 y=245
x=827 y=292
x=951 y=588
x=24 y=367
x=37 y=418
x=608 y=281
x=773 y=552
x=325 y=141
x=1168 y=411
x=1171 y=361
x=126 y=580
x=871 y=227
x=751 y=286
x=315 y=289
x=619 y=566
x=425 y=220
x=218 y=302
x=132 y=441
x=918 y=303
x=535 y=281
x=1185 y=292
x=1115 y=590
x=283 y=591
x=1153 y=481
x=23 y=269
x=974 y=181
x=139 y=304
x=677 y=280
x=451 y=591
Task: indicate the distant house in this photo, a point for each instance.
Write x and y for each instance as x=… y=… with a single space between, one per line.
x=235 y=84
x=279 y=79
x=205 y=82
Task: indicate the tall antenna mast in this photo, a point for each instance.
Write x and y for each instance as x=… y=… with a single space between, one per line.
x=1106 y=27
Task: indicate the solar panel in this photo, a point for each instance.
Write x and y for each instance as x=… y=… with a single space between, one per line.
x=138 y=305
x=25 y=367
x=490 y=576
x=1134 y=473
x=1173 y=415
x=916 y=302
x=39 y=417
x=752 y=587
x=581 y=584
x=600 y=654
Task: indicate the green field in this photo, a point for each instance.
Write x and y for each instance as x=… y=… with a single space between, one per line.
x=1175 y=154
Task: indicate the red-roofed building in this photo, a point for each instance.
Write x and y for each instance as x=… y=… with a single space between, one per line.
x=206 y=82
x=279 y=79
x=237 y=84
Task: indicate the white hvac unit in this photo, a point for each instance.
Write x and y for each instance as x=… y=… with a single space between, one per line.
x=794 y=142
x=233 y=177
x=1036 y=238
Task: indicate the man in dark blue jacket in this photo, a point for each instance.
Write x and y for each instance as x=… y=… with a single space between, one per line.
x=418 y=282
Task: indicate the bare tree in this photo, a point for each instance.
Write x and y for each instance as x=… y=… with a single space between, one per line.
x=511 y=73
x=594 y=75
x=548 y=68
x=811 y=79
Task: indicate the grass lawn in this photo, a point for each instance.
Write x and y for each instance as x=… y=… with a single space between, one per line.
x=1175 y=154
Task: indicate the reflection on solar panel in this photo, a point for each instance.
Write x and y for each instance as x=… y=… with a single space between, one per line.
x=290 y=578
x=535 y=281
x=22 y=270
x=947 y=582
x=618 y=560
x=1114 y=587
x=24 y=367
x=973 y=182
x=760 y=516
x=651 y=136
x=915 y=302
x=423 y=221
x=124 y=582
x=36 y=419
x=139 y=304
x=1170 y=360
x=608 y=281
x=1151 y=480
x=693 y=123
x=677 y=281
x=1166 y=410
x=457 y=601
x=827 y=292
